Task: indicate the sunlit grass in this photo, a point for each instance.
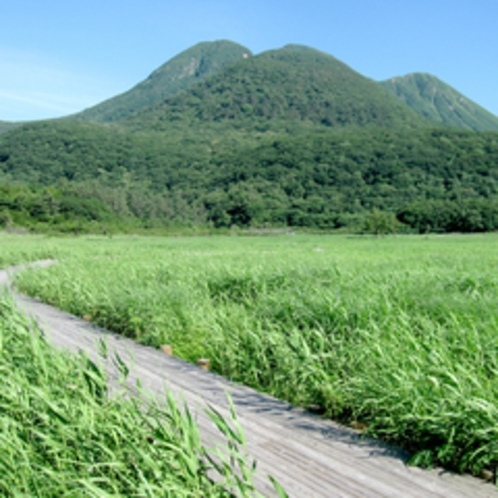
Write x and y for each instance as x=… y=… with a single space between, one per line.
x=61 y=434
x=397 y=334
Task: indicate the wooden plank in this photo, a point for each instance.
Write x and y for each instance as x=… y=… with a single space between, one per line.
x=309 y=456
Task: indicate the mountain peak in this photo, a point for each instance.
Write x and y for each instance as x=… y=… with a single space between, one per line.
x=292 y=84
x=179 y=73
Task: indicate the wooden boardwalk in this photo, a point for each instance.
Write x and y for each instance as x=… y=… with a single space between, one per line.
x=310 y=457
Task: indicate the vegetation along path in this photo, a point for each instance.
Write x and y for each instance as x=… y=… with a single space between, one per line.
x=309 y=456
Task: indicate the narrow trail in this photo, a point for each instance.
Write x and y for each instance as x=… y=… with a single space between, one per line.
x=309 y=457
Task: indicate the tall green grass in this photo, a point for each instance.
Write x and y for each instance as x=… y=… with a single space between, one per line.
x=398 y=334
x=16 y=249
x=61 y=434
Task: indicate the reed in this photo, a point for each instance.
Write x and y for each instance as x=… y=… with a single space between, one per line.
x=397 y=335
x=61 y=434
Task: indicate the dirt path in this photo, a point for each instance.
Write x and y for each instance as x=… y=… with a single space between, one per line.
x=309 y=456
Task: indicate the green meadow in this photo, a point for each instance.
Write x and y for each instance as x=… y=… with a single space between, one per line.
x=395 y=335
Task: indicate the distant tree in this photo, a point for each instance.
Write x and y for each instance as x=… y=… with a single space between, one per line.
x=380 y=223
x=5 y=219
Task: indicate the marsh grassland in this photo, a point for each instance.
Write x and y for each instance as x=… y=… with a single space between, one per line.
x=396 y=335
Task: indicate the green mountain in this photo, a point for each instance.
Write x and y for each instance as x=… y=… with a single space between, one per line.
x=291 y=137
x=179 y=73
x=272 y=90
x=433 y=99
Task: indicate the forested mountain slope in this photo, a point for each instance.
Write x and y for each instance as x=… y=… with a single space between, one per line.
x=433 y=99
x=43 y=153
x=179 y=73
x=442 y=179
x=277 y=90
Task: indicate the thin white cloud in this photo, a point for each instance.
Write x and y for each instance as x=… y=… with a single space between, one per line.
x=33 y=86
x=38 y=99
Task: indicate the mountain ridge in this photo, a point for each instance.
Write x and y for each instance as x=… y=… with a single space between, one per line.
x=434 y=99
x=293 y=83
x=178 y=73
x=423 y=93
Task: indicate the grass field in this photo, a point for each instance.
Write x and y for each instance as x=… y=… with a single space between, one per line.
x=395 y=335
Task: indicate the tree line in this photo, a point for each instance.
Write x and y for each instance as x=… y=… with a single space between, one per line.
x=427 y=179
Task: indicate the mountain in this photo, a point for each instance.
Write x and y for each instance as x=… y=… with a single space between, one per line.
x=290 y=137
x=433 y=99
x=179 y=73
x=294 y=84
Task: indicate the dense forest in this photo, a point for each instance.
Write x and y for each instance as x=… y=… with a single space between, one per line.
x=288 y=138
x=322 y=179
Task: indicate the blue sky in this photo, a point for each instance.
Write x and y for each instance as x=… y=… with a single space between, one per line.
x=60 y=56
